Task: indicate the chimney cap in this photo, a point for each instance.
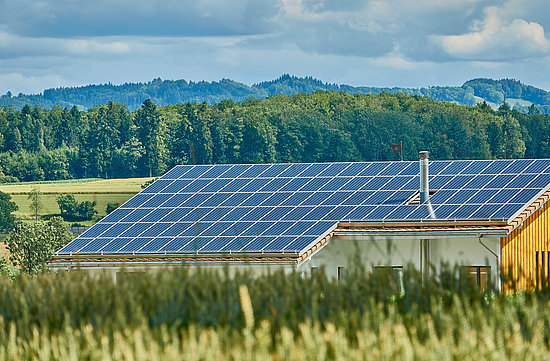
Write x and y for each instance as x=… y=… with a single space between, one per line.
x=424 y=154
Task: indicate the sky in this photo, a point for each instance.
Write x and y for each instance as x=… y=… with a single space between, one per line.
x=404 y=43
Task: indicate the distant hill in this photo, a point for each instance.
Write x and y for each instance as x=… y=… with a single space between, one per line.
x=164 y=92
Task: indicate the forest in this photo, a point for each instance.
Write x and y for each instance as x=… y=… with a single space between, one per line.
x=110 y=141
x=166 y=92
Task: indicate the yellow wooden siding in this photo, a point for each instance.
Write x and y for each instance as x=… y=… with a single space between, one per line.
x=522 y=251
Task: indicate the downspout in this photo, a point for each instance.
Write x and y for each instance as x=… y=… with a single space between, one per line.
x=497 y=258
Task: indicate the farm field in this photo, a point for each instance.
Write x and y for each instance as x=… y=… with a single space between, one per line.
x=178 y=314
x=102 y=191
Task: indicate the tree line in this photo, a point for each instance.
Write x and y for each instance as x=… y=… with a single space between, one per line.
x=165 y=92
x=109 y=141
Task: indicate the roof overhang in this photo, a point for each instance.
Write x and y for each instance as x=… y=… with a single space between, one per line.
x=94 y=260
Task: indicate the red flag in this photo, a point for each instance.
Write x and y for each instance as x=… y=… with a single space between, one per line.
x=396 y=148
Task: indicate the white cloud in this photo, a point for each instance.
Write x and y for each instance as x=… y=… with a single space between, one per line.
x=13 y=46
x=496 y=39
x=19 y=83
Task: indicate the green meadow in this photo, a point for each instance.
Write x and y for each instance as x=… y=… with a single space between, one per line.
x=101 y=191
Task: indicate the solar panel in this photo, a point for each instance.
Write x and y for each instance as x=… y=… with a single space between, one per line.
x=287 y=207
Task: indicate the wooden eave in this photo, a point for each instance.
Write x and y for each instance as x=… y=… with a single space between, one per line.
x=174 y=259
x=532 y=208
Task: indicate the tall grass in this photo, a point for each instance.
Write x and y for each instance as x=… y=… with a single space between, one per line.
x=177 y=314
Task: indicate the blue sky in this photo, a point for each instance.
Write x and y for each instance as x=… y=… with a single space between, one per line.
x=406 y=43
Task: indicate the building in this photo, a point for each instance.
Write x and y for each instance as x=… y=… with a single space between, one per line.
x=489 y=215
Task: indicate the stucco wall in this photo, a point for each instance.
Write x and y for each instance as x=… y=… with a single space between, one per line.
x=402 y=251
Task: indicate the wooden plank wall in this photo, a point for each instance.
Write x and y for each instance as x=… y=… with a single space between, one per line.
x=524 y=253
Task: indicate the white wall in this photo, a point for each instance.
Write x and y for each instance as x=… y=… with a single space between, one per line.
x=402 y=251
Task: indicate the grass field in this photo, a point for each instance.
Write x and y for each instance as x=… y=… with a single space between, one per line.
x=102 y=191
x=176 y=314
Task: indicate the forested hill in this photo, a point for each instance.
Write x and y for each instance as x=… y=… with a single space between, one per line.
x=165 y=92
x=110 y=141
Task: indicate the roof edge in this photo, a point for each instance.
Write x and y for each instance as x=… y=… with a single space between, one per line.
x=528 y=211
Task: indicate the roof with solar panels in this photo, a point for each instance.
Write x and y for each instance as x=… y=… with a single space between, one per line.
x=283 y=211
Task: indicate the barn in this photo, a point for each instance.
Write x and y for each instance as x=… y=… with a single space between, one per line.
x=490 y=216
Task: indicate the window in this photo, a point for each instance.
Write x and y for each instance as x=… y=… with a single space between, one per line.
x=314 y=270
x=341 y=272
x=393 y=275
x=479 y=275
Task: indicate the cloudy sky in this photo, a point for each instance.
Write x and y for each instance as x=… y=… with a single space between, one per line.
x=408 y=43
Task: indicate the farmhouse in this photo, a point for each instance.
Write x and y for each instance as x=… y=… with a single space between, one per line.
x=491 y=216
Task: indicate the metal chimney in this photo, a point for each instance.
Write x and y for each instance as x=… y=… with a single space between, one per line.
x=424 y=188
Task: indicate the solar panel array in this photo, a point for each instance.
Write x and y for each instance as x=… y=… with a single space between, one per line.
x=288 y=207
